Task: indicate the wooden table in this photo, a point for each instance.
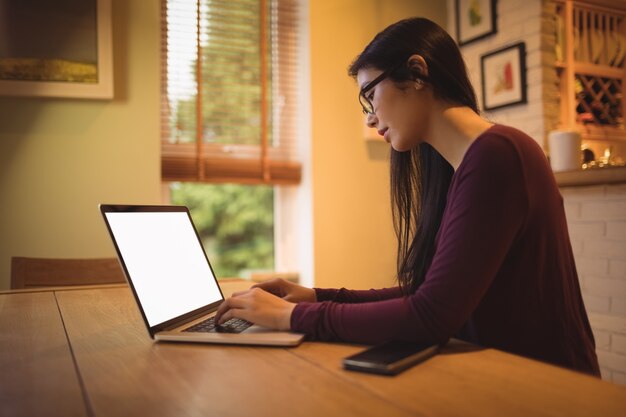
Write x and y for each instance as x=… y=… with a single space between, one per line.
x=86 y=352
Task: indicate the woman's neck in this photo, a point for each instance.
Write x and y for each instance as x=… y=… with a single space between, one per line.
x=452 y=131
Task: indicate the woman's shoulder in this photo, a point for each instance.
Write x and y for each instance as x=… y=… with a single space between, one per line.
x=507 y=144
x=498 y=133
x=509 y=154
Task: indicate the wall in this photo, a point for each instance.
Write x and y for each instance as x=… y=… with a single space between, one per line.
x=518 y=20
x=354 y=244
x=59 y=158
x=596 y=215
x=597 y=225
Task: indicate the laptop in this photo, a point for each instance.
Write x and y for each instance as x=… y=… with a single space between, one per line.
x=172 y=279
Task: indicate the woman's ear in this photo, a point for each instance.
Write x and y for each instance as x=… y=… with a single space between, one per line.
x=418 y=66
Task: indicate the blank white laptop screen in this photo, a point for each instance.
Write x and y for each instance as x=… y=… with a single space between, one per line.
x=166 y=262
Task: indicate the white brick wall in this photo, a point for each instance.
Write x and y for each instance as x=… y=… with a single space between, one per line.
x=617 y=269
x=523 y=22
x=596 y=215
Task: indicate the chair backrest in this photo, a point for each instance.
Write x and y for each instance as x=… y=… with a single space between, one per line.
x=40 y=272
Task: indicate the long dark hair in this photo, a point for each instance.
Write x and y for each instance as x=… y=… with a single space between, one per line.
x=420 y=178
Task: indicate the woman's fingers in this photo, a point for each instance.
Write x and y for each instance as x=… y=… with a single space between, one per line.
x=238 y=293
x=288 y=291
x=259 y=307
x=228 y=305
x=234 y=313
x=274 y=286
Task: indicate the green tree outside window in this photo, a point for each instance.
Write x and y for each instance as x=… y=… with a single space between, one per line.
x=235 y=224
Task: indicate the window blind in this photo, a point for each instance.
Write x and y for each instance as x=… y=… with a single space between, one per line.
x=228 y=108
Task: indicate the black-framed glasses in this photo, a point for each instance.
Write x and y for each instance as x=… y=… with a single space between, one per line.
x=366 y=103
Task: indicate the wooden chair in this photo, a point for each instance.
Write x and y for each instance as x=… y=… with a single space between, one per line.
x=41 y=272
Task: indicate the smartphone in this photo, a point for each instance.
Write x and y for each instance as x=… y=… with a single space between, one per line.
x=390 y=358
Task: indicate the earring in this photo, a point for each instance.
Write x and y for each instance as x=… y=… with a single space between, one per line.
x=418 y=84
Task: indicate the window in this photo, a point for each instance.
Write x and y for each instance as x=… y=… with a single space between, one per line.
x=229 y=91
x=235 y=223
x=230 y=79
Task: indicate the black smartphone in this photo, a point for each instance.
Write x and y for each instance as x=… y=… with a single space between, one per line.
x=390 y=358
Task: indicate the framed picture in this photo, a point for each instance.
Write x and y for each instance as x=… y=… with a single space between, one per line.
x=56 y=48
x=475 y=19
x=503 y=76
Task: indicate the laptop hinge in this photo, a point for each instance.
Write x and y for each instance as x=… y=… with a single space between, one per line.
x=186 y=318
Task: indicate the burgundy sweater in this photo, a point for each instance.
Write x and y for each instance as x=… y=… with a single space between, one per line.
x=503 y=273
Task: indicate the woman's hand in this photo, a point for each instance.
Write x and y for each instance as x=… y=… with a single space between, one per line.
x=287 y=290
x=257 y=306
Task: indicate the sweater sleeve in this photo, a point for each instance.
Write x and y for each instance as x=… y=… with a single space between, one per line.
x=485 y=211
x=344 y=295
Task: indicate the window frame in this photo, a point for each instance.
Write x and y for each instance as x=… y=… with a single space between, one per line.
x=293 y=207
x=238 y=163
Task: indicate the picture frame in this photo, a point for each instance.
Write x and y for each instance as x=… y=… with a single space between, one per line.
x=72 y=56
x=503 y=77
x=475 y=20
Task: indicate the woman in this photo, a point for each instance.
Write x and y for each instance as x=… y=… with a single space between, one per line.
x=484 y=253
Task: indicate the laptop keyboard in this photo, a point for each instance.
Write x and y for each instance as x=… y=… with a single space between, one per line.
x=209 y=326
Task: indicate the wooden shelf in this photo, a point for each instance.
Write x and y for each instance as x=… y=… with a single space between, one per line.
x=607 y=71
x=602 y=133
x=590 y=91
x=592 y=176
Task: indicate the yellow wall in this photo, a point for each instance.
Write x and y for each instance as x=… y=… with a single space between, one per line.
x=354 y=245
x=59 y=158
